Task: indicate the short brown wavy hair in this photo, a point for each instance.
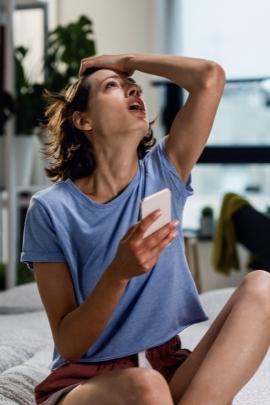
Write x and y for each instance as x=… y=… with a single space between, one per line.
x=68 y=150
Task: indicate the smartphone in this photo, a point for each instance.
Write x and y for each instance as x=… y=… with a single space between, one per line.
x=160 y=200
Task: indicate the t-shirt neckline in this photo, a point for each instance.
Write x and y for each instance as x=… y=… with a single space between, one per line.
x=115 y=201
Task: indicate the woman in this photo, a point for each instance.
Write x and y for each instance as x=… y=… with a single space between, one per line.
x=110 y=294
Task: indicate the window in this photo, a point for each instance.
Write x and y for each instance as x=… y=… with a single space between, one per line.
x=237 y=156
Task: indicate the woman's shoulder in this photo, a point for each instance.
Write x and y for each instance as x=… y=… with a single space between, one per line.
x=51 y=194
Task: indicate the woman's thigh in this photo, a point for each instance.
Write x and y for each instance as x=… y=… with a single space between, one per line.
x=130 y=386
x=256 y=283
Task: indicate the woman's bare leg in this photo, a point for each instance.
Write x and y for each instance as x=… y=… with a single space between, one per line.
x=132 y=386
x=232 y=349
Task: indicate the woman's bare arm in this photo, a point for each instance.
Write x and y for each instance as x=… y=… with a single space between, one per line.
x=75 y=328
x=204 y=80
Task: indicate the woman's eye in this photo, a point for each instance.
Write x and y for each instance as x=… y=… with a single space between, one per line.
x=111 y=84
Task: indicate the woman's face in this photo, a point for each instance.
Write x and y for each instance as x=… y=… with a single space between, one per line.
x=116 y=106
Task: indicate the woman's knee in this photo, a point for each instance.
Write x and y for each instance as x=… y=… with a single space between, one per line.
x=133 y=386
x=256 y=285
x=148 y=386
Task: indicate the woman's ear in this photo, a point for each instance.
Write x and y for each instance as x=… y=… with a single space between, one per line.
x=80 y=122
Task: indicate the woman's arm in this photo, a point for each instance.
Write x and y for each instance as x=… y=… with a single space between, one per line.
x=75 y=328
x=203 y=79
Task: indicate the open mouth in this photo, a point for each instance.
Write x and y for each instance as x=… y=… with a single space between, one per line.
x=137 y=105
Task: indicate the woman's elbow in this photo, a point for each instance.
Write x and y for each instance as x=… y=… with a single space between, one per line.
x=213 y=76
x=69 y=354
x=68 y=348
x=72 y=349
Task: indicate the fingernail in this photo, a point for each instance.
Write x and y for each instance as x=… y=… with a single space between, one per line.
x=175 y=222
x=157 y=213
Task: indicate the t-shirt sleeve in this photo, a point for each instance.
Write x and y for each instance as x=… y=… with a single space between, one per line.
x=160 y=165
x=40 y=243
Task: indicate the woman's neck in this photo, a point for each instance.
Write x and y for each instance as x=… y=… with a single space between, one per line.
x=110 y=177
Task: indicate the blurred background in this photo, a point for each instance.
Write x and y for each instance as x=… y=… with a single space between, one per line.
x=41 y=44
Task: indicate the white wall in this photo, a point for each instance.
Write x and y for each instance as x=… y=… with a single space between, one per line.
x=120 y=25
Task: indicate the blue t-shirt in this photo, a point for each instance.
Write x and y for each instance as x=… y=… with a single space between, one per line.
x=64 y=225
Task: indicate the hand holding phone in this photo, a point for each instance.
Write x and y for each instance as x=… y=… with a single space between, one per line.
x=160 y=200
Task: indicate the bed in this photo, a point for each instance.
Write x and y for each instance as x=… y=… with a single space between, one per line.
x=26 y=346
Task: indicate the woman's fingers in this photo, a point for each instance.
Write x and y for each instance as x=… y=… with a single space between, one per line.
x=143 y=253
x=147 y=221
x=114 y=62
x=94 y=62
x=155 y=238
x=88 y=63
x=150 y=257
x=137 y=255
x=143 y=225
x=152 y=246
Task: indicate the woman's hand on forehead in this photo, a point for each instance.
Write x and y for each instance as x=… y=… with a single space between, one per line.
x=113 y=62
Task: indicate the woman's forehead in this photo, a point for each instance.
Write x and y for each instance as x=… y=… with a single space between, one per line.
x=100 y=75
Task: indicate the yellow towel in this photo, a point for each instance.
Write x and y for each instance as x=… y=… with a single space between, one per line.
x=224 y=253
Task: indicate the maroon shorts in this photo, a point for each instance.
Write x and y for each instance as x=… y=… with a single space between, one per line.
x=165 y=358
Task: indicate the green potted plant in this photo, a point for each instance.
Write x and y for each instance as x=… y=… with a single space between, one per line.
x=29 y=102
x=21 y=85
x=26 y=107
x=67 y=45
x=29 y=107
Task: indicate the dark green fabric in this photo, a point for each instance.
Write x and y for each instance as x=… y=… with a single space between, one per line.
x=224 y=254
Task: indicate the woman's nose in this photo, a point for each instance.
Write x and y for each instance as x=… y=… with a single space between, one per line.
x=133 y=90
